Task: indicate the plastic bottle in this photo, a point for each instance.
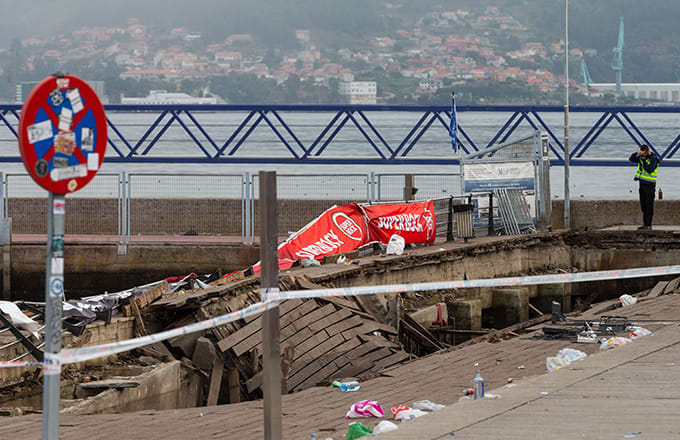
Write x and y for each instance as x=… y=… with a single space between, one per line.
x=312 y=436
x=660 y=194
x=478 y=386
x=346 y=386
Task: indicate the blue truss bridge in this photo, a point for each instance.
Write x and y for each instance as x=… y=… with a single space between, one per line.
x=366 y=134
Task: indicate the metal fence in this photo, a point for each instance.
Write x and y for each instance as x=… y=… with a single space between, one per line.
x=389 y=186
x=119 y=207
x=99 y=205
x=185 y=204
x=365 y=134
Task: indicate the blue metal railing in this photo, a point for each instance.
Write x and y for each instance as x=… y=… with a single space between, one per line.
x=225 y=139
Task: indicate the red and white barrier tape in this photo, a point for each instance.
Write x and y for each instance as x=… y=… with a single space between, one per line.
x=271 y=298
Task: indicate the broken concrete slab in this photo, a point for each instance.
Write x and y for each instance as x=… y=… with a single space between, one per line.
x=204 y=354
x=435 y=313
x=185 y=343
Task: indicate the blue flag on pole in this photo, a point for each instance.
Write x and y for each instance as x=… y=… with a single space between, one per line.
x=453 y=128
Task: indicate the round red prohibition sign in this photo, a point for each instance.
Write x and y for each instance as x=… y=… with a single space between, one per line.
x=62 y=134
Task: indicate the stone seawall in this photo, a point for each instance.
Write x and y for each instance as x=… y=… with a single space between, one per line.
x=224 y=216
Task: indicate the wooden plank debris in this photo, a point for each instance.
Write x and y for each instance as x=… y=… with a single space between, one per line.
x=671 y=286
x=140 y=330
x=233 y=383
x=658 y=289
x=215 y=382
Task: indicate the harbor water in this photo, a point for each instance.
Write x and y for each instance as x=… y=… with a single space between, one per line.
x=610 y=182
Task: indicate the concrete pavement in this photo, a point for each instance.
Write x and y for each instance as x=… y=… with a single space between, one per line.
x=631 y=389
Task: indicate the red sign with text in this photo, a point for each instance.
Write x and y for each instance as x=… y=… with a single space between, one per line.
x=414 y=222
x=339 y=229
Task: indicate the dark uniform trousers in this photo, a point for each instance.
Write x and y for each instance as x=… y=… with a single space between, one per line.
x=647 y=202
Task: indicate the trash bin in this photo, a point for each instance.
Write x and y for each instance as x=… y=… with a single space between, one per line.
x=464 y=225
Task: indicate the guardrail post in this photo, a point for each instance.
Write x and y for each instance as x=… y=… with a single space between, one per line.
x=545 y=204
x=6 y=242
x=2 y=197
x=124 y=214
x=247 y=211
x=491 y=231
x=449 y=222
x=409 y=190
x=269 y=278
x=243 y=209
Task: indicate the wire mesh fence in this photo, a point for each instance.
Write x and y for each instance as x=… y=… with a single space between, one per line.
x=390 y=186
x=96 y=207
x=185 y=204
x=301 y=198
x=207 y=204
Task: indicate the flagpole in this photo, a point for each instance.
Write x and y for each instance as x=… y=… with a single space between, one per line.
x=566 y=117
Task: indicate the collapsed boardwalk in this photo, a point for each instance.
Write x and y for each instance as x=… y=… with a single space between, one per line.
x=439 y=378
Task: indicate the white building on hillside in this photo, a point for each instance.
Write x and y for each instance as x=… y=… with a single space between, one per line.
x=359 y=92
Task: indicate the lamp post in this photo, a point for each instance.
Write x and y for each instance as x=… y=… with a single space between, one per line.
x=566 y=114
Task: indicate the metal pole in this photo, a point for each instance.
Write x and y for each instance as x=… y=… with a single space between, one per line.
x=127 y=195
x=546 y=204
x=125 y=214
x=243 y=209
x=449 y=221
x=491 y=231
x=566 y=115
x=2 y=198
x=269 y=278
x=408 y=187
x=54 y=290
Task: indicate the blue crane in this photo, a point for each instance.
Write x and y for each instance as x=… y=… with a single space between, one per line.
x=617 y=60
x=587 y=80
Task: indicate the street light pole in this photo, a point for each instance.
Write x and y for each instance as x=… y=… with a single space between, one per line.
x=566 y=115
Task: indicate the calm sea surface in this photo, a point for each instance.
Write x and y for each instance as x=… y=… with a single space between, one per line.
x=585 y=182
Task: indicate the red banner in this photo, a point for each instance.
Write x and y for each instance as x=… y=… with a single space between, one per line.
x=339 y=229
x=414 y=222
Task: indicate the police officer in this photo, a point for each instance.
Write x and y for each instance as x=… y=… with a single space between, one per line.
x=648 y=166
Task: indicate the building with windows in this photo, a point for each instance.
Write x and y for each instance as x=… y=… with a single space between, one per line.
x=664 y=92
x=359 y=92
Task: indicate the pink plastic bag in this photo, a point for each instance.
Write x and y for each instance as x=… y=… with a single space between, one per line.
x=365 y=408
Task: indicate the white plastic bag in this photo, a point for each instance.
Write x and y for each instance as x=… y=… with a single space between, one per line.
x=17 y=317
x=564 y=357
x=396 y=245
x=614 y=342
x=384 y=426
x=402 y=412
x=638 y=332
x=427 y=405
x=627 y=300
x=409 y=414
x=571 y=355
x=554 y=363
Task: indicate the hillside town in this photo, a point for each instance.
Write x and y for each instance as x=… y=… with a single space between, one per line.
x=424 y=59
